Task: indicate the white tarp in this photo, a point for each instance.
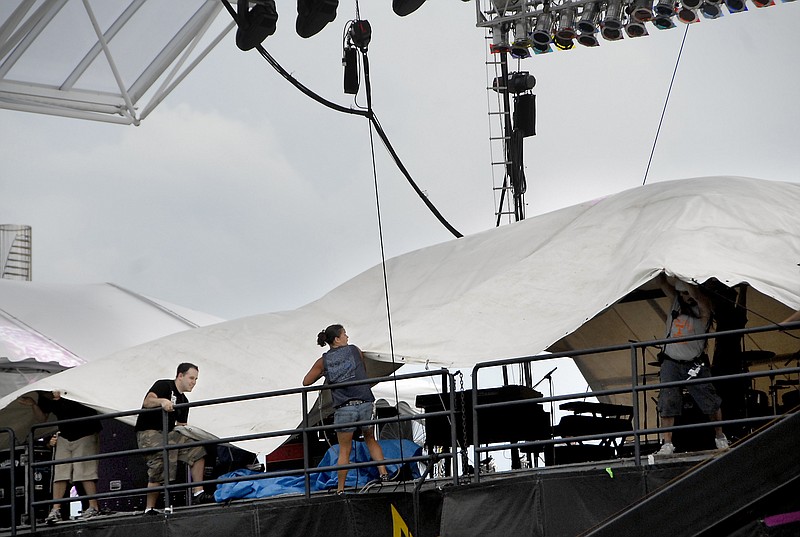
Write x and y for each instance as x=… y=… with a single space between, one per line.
x=511 y=291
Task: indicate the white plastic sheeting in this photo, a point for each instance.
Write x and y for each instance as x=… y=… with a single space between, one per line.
x=511 y=291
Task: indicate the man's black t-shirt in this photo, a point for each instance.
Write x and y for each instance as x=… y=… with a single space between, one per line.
x=65 y=409
x=164 y=389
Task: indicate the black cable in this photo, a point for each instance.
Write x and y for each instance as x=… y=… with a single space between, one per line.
x=666 y=101
x=365 y=113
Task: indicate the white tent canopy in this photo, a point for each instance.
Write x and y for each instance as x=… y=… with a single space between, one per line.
x=513 y=291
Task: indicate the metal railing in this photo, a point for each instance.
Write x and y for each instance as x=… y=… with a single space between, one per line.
x=634 y=390
x=12 y=485
x=305 y=430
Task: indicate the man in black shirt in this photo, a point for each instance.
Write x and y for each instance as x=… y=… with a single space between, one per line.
x=166 y=394
x=79 y=439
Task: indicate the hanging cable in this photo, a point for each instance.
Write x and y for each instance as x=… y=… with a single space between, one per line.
x=365 y=113
x=666 y=101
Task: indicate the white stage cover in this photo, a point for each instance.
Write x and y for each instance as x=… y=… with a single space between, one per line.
x=517 y=290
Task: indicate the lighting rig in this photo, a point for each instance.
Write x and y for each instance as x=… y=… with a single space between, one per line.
x=522 y=28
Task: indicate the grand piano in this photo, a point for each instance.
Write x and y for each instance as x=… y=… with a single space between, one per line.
x=520 y=422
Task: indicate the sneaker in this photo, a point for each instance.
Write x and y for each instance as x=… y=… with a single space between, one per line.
x=666 y=449
x=53 y=517
x=90 y=512
x=152 y=512
x=722 y=442
x=390 y=476
x=203 y=497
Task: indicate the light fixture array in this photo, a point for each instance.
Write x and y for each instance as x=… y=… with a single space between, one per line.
x=522 y=27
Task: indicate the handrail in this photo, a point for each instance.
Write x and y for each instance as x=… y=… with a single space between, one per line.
x=304 y=429
x=634 y=389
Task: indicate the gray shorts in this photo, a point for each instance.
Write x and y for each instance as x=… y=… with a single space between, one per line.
x=670 y=400
x=155 y=460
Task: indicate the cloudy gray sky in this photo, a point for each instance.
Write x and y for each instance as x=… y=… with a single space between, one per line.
x=239 y=195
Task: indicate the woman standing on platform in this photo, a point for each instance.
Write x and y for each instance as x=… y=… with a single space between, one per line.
x=345 y=363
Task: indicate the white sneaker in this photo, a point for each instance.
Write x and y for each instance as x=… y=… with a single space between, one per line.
x=666 y=449
x=90 y=512
x=53 y=517
x=722 y=442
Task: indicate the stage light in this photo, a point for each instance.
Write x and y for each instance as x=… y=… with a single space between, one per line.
x=499 y=41
x=406 y=7
x=763 y=3
x=563 y=44
x=255 y=25
x=691 y=4
x=566 y=27
x=662 y=22
x=635 y=29
x=589 y=16
x=588 y=40
x=735 y=6
x=611 y=27
x=665 y=8
x=711 y=10
x=687 y=15
x=539 y=48
x=519 y=48
x=542 y=33
x=314 y=15
x=642 y=10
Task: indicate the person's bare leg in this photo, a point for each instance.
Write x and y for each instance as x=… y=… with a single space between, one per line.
x=59 y=488
x=375 y=450
x=198 y=472
x=667 y=422
x=90 y=488
x=717 y=416
x=152 y=497
x=345 y=445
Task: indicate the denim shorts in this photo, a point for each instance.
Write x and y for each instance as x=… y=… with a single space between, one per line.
x=351 y=414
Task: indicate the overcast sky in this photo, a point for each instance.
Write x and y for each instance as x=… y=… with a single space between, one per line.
x=239 y=195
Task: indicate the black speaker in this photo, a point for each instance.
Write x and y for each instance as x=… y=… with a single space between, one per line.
x=350 y=62
x=525 y=114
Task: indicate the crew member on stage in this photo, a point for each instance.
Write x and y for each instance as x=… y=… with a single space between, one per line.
x=345 y=363
x=690 y=315
x=79 y=439
x=166 y=394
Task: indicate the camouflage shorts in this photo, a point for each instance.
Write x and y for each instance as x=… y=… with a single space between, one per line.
x=155 y=460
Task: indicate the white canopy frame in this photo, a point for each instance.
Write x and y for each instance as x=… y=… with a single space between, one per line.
x=28 y=24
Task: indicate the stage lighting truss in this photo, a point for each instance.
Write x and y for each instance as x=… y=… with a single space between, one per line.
x=525 y=26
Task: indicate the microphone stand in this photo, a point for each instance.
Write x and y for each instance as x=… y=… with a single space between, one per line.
x=549 y=378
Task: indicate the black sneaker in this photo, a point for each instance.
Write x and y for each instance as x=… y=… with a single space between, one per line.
x=203 y=497
x=152 y=512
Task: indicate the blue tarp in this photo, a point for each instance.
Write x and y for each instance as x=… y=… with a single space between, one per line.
x=356 y=477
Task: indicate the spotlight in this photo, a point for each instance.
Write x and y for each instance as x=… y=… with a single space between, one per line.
x=613 y=17
x=406 y=7
x=539 y=48
x=663 y=23
x=499 y=41
x=563 y=44
x=665 y=8
x=687 y=15
x=642 y=10
x=519 y=49
x=691 y=4
x=735 y=6
x=542 y=33
x=763 y=3
x=711 y=10
x=635 y=29
x=588 y=22
x=314 y=15
x=256 y=24
x=566 y=27
x=588 y=40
